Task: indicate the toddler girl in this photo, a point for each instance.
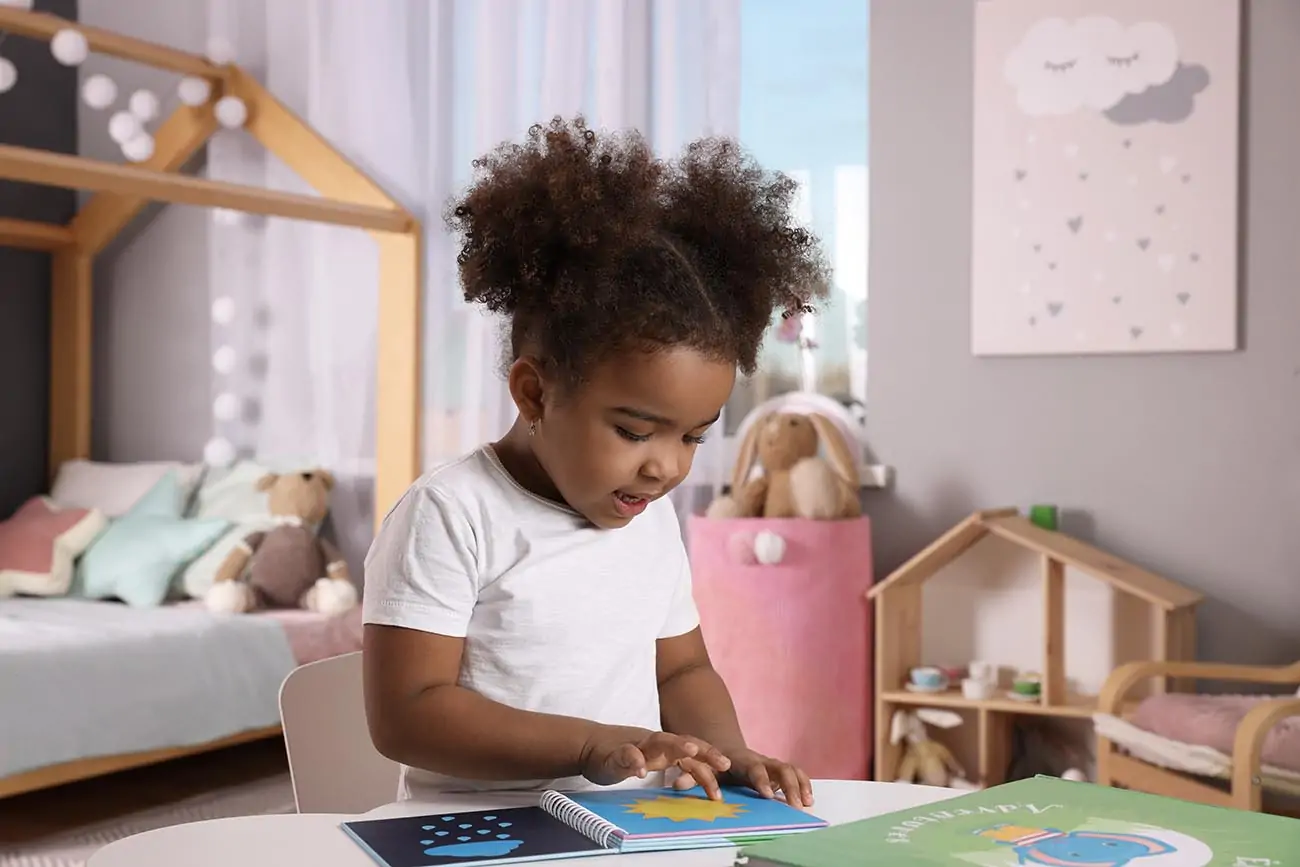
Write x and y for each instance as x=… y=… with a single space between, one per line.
x=528 y=610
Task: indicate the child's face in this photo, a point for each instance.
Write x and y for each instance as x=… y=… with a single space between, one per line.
x=629 y=434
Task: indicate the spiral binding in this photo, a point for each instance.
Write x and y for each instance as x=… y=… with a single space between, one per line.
x=580 y=819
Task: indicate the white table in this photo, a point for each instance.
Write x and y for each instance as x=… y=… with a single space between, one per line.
x=316 y=839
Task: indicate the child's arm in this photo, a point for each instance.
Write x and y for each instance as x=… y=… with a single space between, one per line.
x=692 y=696
x=419 y=716
x=694 y=700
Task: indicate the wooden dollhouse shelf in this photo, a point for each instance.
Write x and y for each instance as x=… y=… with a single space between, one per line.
x=1077 y=706
x=1171 y=609
x=1074 y=705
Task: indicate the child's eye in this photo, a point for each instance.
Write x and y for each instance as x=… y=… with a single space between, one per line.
x=696 y=441
x=628 y=435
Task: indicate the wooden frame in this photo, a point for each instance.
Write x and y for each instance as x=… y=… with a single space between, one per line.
x=897 y=602
x=348 y=197
x=1246 y=792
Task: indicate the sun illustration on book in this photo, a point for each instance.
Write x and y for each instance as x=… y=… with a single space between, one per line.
x=684 y=809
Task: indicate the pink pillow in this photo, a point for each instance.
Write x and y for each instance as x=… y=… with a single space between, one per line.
x=39 y=545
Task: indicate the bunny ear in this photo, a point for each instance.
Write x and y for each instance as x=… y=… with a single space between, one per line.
x=944 y=719
x=841 y=456
x=898 y=726
x=745 y=456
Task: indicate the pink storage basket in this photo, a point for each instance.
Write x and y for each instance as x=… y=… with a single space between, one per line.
x=792 y=640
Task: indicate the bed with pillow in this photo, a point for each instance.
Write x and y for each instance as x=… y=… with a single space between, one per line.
x=108 y=657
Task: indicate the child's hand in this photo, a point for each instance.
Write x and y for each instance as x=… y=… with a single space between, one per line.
x=748 y=768
x=614 y=753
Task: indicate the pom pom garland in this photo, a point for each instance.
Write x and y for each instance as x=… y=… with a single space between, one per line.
x=99 y=91
x=194 y=91
x=223 y=360
x=218 y=453
x=69 y=47
x=225 y=407
x=124 y=126
x=220 y=51
x=8 y=75
x=223 y=310
x=231 y=112
x=144 y=105
x=139 y=147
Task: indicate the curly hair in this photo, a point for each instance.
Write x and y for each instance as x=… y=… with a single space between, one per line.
x=592 y=245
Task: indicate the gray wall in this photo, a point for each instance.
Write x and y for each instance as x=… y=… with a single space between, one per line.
x=40 y=112
x=1184 y=463
x=152 y=345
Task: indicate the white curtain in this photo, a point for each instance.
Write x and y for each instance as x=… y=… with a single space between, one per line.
x=412 y=91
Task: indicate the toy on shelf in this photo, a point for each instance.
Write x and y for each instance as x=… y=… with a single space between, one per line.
x=926 y=760
x=1045 y=516
x=795 y=481
x=1027 y=686
x=903 y=681
x=928 y=678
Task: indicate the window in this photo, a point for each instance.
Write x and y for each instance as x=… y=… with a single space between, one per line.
x=804 y=112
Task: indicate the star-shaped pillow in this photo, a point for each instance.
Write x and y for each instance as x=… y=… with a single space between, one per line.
x=40 y=544
x=135 y=559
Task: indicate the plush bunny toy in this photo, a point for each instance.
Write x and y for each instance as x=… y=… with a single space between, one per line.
x=795 y=481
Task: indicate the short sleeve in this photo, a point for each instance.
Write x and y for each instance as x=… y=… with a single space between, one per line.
x=420 y=572
x=682 y=613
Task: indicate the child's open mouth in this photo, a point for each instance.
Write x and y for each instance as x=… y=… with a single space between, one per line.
x=629 y=505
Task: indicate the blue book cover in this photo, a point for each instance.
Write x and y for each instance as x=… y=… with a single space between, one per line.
x=667 y=818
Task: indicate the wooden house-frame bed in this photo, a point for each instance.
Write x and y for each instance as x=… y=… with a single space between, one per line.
x=347 y=198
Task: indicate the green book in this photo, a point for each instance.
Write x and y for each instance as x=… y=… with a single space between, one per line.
x=1046 y=821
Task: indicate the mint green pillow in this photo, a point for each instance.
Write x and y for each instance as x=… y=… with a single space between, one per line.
x=136 y=557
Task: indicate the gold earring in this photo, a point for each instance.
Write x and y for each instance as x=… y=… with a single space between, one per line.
x=532 y=428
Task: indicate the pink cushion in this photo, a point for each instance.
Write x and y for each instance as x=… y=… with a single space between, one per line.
x=39 y=545
x=1212 y=720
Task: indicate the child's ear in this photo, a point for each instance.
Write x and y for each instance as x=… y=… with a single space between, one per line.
x=528 y=386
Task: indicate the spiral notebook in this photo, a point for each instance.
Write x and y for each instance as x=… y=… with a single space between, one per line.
x=576 y=824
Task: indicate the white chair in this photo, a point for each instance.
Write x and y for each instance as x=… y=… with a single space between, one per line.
x=333 y=764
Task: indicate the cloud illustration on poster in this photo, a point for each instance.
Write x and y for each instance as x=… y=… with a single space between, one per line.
x=1171 y=102
x=1062 y=66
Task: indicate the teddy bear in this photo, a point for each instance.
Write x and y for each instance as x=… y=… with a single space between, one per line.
x=288 y=566
x=796 y=482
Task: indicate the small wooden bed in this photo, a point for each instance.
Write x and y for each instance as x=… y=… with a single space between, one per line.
x=1237 y=774
x=348 y=198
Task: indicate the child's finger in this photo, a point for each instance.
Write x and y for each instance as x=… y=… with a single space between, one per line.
x=760 y=781
x=805 y=788
x=684 y=781
x=628 y=761
x=788 y=779
x=701 y=773
x=713 y=757
x=663 y=750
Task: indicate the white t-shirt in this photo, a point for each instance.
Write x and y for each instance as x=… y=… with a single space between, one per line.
x=558 y=617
